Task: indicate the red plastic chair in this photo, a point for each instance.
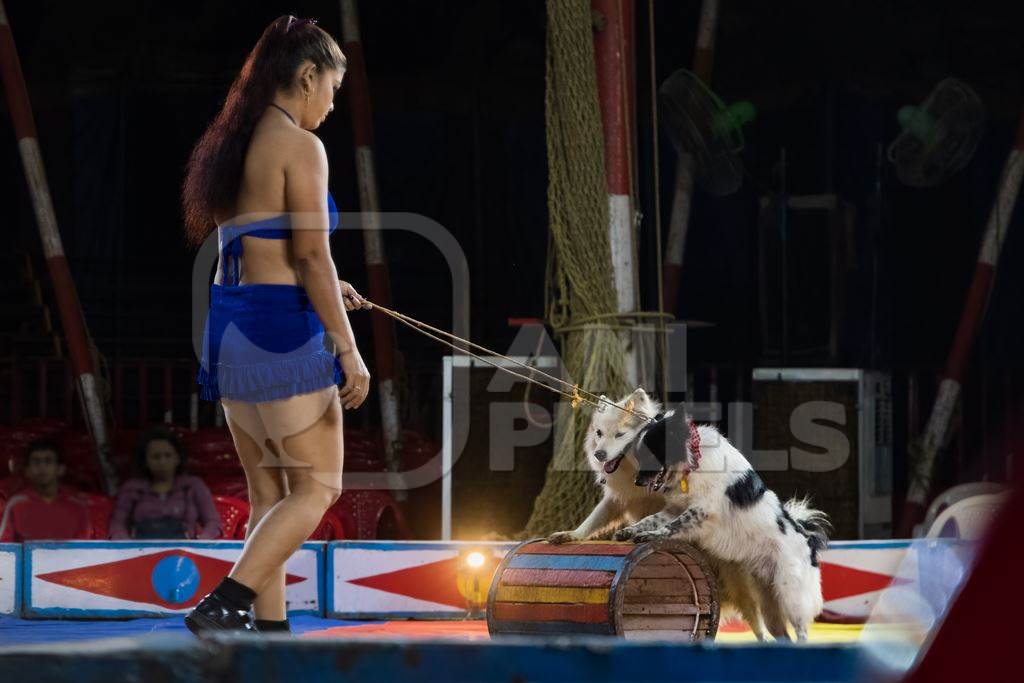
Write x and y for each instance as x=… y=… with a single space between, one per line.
x=348 y=522
x=28 y=428
x=211 y=453
x=83 y=471
x=122 y=442
x=362 y=451
x=234 y=514
x=330 y=529
x=231 y=486
x=375 y=515
x=100 y=509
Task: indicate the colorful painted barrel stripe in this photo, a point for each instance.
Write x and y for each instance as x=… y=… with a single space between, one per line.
x=583 y=578
x=536 y=561
x=551 y=594
x=531 y=611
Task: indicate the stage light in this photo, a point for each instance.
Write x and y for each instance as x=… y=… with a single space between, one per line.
x=475 y=559
x=475 y=570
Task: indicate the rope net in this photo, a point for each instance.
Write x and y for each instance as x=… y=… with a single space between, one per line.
x=580 y=282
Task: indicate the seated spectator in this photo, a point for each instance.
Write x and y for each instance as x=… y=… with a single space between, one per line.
x=44 y=510
x=164 y=502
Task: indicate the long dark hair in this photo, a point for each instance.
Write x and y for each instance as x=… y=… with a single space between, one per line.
x=214 y=170
x=148 y=437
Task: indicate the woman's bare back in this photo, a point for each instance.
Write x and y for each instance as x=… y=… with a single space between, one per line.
x=261 y=195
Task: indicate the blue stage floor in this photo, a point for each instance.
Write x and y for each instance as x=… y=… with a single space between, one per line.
x=20 y=631
x=163 y=649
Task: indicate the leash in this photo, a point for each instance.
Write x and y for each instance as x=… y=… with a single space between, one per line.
x=575 y=394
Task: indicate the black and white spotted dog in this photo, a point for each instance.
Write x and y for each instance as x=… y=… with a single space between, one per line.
x=715 y=498
x=609 y=447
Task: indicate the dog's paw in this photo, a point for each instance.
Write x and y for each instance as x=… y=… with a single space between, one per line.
x=625 y=534
x=645 y=536
x=562 y=537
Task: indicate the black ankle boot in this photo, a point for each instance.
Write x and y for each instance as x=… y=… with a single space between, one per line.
x=213 y=613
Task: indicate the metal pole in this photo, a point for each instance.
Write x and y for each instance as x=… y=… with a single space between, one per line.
x=376 y=263
x=970 y=322
x=611 y=57
x=53 y=249
x=703 y=61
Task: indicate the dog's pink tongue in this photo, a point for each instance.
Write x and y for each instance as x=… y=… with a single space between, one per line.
x=611 y=466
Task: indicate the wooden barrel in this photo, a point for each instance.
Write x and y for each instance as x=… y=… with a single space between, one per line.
x=661 y=589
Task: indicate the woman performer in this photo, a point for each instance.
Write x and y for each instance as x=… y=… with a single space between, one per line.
x=274 y=313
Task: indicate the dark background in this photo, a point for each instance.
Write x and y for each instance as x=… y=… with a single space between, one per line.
x=122 y=90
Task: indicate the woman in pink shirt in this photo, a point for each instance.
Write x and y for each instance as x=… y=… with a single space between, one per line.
x=165 y=502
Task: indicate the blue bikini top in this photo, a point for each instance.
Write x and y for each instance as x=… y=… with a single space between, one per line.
x=274 y=228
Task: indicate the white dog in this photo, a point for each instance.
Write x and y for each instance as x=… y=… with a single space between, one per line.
x=611 y=437
x=715 y=498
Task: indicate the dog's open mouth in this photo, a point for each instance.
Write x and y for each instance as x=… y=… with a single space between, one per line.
x=613 y=464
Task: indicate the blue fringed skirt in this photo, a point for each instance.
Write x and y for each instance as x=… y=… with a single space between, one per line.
x=263 y=342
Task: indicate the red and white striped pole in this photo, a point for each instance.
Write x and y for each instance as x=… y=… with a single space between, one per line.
x=53 y=250
x=970 y=322
x=376 y=263
x=613 y=39
x=682 y=200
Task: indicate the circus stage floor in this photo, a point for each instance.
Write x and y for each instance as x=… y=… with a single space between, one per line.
x=162 y=649
x=18 y=631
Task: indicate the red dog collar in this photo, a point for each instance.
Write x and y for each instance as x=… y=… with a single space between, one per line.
x=694 y=443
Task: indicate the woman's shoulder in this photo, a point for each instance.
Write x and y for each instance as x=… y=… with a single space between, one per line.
x=278 y=145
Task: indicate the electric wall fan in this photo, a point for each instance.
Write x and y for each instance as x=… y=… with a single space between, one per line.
x=700 y=124
x=939 y=135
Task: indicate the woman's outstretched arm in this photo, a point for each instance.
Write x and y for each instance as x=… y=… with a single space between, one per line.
x=305 y=192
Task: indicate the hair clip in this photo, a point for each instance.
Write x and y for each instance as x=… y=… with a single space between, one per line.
x=296 y=22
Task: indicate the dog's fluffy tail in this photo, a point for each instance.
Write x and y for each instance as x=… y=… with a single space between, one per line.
x=814 y=523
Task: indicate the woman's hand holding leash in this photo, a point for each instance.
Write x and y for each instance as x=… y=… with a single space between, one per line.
x=352 y=298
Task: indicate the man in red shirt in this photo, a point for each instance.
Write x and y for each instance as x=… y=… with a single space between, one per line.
x=44 y=510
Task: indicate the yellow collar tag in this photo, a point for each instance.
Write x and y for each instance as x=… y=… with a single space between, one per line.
x=684 y=486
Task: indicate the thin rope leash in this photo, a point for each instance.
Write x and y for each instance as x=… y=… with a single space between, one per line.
x=576 y=396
